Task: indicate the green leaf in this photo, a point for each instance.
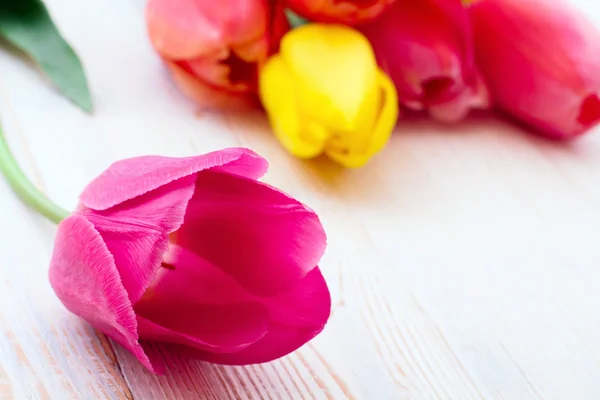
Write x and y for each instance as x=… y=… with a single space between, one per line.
x=293 y=19
x=27 y=25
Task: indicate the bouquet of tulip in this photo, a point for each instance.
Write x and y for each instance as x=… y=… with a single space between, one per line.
x=334 y=75
x=196 y=252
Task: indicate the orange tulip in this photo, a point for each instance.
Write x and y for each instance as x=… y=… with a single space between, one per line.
x=349 y=12
x=215 y=49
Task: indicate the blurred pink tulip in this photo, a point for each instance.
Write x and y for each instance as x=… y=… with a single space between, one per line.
x=349 y=12
x=541 y=60
x=214 y=49
x=196 y=253
x=426 y=46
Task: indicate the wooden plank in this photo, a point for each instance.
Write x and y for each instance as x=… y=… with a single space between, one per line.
x=44 y=352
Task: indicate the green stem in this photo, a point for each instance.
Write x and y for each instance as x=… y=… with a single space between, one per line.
x=24 y=189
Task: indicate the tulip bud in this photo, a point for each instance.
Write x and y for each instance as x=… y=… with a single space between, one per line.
x=349 y=12
x=426 y=47
x=541 y=60
x=194 y=253
x=214 y=49
x=323 y=93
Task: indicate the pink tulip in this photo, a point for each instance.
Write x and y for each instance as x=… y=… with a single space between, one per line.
x=196 y=253
x=541 y=60
x=426 y=47
x=349 y=12
x=214 y=49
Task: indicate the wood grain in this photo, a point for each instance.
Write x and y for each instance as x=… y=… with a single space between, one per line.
x=44 y=352
x=463 y=261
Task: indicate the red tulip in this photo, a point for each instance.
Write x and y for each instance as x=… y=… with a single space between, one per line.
x=541 y=60
x=348 y=12
x=196 y=253
x=426 y=47
x=214 y=49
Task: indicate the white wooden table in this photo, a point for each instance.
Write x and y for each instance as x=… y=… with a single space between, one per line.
x=464 y=263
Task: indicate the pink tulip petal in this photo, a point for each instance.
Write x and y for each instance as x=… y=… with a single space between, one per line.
x=277 y=240
x=540 y=60
x=589 y=112
x=137 y=253
x=138 y=247
x=151 y=332
x=307 y=305
x=475 y=96
x=142 y=191
x=296 y=318
x=426 y=47
x=133 y=177
x=214 y=328
x=84 y=277
x=162 y=208
x=207 y=290
x=194 y=280
x=280 y=341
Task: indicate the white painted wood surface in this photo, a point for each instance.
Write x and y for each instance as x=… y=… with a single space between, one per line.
x=463 y=262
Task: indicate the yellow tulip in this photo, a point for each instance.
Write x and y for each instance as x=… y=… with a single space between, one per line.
x=324 y=93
